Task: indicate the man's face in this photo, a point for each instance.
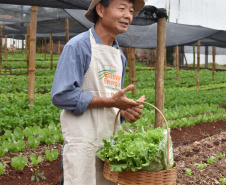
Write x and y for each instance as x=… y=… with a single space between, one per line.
x=118 y=16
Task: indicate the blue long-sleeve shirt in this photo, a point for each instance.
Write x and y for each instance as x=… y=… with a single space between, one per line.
x=72 y=66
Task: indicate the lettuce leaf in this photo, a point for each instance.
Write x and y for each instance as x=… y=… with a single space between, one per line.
x=136 y=150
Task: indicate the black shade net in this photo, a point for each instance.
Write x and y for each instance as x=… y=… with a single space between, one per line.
x=14 y=16
x=69 y=4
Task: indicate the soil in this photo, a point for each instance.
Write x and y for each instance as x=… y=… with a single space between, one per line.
x=192 y=146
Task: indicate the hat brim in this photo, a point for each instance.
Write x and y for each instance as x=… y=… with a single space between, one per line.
x=138 y=6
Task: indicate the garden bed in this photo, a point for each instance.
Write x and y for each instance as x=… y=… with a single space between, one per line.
x=192 y=146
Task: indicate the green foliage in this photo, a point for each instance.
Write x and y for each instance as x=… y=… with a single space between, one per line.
x=18 y=163
x=223 y=180
x=3 y=150
x=211 y=160
x=15 y=141
x=16 y=146
x=33 y=141
x=188 y=171
x=36 y=175
x=220 y=155
x=201 y=166
x=35 y=161
x=51 y=155
x=135 y=151
x=2 y=168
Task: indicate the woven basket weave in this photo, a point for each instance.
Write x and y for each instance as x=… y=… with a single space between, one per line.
x=164 y=177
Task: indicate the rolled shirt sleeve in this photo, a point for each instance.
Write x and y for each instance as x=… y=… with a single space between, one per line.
x=66 y=92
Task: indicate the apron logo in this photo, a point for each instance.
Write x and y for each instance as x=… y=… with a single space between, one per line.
x=110 y=78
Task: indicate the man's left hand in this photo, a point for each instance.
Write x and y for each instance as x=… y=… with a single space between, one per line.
x=133 y=114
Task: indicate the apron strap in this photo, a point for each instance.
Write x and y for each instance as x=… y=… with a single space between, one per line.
x=92 y=39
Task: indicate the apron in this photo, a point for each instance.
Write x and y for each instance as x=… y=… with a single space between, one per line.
x=83 y=134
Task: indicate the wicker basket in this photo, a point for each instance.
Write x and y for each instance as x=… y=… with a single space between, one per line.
x=164 y=177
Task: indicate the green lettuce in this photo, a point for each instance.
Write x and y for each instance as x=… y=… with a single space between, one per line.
x=138 y=150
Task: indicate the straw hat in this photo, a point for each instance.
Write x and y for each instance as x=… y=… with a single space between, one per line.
x=138 y=6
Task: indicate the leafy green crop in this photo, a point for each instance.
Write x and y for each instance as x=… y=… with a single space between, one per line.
x=220 y=155
x=51 y=155
x=138 y=150
x=16 y=146
x=35 y=161
x=223 y=180
x=18 y=163
x=201 y=166
x=33 y=141
x=2 y=168
x=188 y=171
x=211 y=160
x=3 y=151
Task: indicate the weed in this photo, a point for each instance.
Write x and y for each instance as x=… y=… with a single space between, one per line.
x=36 y=175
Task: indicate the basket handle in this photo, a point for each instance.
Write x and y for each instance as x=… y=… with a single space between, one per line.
x=167 y=127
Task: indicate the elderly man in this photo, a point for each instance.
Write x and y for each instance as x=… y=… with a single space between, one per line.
x=87 y=85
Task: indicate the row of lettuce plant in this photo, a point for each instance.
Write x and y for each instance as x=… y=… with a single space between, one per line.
x=19 y=162
x=16 y=111
x=23 y=64
x=21 y=55
x=147 y=79
x=17 y=140
x=182 y=97
x=184 y=115
x=15 y=84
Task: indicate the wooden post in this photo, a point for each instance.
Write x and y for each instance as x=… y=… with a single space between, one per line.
x=193 y=56
x=13 y=45
x=67 y=29
x=6 y=48
x=177 y=62
x=28 y=44
x=198 y=64
x=32 y=54
x=51 y=51
x=213 y=68
x=133 y=69
x=129 y=64
x=58 y=48
x=1 y=47
x=165 y=60
x=45 y=49
x=42 y=46
x=159 y=71
x=25 y=47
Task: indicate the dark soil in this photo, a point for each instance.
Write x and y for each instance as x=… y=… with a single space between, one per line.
x=191 y=145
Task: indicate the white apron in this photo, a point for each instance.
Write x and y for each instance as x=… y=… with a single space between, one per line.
x=83 y=134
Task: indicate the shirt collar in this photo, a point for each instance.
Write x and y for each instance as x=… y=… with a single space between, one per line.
x=98 y=41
